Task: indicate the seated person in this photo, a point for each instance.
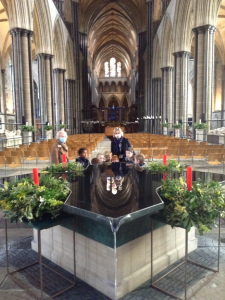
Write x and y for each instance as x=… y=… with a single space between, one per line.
x=108 y=156
x=115 y=158
x=139 y=160
x=100 y=157
x=95 y=161
x=129 y=155
x=83 y=154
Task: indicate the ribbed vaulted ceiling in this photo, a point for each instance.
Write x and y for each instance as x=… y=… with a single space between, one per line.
x=113 y=28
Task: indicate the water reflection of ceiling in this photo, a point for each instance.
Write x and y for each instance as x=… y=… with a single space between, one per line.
x=112 y=28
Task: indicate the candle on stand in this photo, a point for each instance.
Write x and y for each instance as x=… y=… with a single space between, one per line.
x=200 y=121
x=177 y=122
x=26 y=123
x=36 y=176
x=189 y=178
x=64 y=159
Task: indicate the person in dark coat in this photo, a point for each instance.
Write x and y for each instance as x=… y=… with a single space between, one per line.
x=119 y=145
x=83 y=154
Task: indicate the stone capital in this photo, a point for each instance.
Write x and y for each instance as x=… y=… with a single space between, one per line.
x=205 y=28
x=57 y=70
x=167 y=69
x=182 y=54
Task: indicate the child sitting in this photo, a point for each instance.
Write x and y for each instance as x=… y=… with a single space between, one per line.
x=83 y=154
x=129 y=155
x=108 y=156
x=100 y=157
x=139 y=160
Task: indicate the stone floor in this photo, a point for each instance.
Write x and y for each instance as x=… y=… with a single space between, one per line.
x=20 y=252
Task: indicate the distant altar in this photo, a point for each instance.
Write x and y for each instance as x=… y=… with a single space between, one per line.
x=109 y=130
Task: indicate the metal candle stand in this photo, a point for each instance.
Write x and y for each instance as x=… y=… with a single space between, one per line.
x=185 y=263
x=41 y=264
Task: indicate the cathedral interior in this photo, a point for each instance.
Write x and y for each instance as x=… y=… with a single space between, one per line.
x=68 y=61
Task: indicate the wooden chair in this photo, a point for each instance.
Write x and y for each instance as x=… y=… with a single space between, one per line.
x=2 y=162
x=43 y=156
x=5 y=153
x=172 y=154
x=199 y=153
x=30 y=155
x=17 y=153
x=215 y=159
x=185 y=154
x=158 y=154
x=146 y=153
x=218 y=146
x=13 y=162
x=214 y=151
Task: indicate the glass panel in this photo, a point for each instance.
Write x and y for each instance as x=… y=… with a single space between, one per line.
x=119 y=69
x=106 y=69
x=112 y=67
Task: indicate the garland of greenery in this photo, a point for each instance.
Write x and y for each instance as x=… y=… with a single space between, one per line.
x=199 y=207
x=72 y=168
x=27 y=128
x=24 y=199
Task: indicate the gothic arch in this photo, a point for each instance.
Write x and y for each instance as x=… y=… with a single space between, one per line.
x=111 y=98
x=59 y=44
x=42 y=27
x=167 y=43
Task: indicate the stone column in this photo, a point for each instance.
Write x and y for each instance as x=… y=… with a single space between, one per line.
x=70 y=113
x=85 y=84
x=42 y=89
x=203 y=72
x=141 y=74
x=22 y=73
x=106 y=114
x=58 y=96
x=167 y=94
x=181 y=80
x=76 y=49
x=223 y=96
x=150 y=9
x=4 y=95
x=156 y=101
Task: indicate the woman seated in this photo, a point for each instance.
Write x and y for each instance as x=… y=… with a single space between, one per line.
x=59 y=148
x=83 y=154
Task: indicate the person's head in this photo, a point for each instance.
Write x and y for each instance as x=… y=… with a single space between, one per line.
x=108 y=156
x=100 y=157
x=83 y=152
x=117 y=133
x=129 y=152
x=115 y=158
x=61 y=136
x=139 y=159
x=95 y=161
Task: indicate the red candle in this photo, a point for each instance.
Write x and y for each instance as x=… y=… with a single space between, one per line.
x=165 y=176
x=64 y=159
x=36 y=177
x=165 y=159
x=189 y=178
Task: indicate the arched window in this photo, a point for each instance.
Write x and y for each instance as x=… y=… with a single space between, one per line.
x=119 y=69
x=113 y=110
x=112 y=67
x=106 y=69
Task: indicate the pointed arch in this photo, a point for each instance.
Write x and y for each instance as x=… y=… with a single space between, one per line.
x=167 y=43
x=59 y=44
x=42 y=27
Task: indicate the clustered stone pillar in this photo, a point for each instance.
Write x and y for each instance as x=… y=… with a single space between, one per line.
x=22 y=73
x=149 y=101
x=223 y=96
x=76 y=49
x=157 y=102
x=58 y=96
x=70 y=109
x=203 y=72
x=181 y=79
x=167 y=94
x=4 y=96
x=141 y=74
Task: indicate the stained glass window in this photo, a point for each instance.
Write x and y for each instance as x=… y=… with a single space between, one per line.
x=119 y=69
x=106 y=69
x=112 y=67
